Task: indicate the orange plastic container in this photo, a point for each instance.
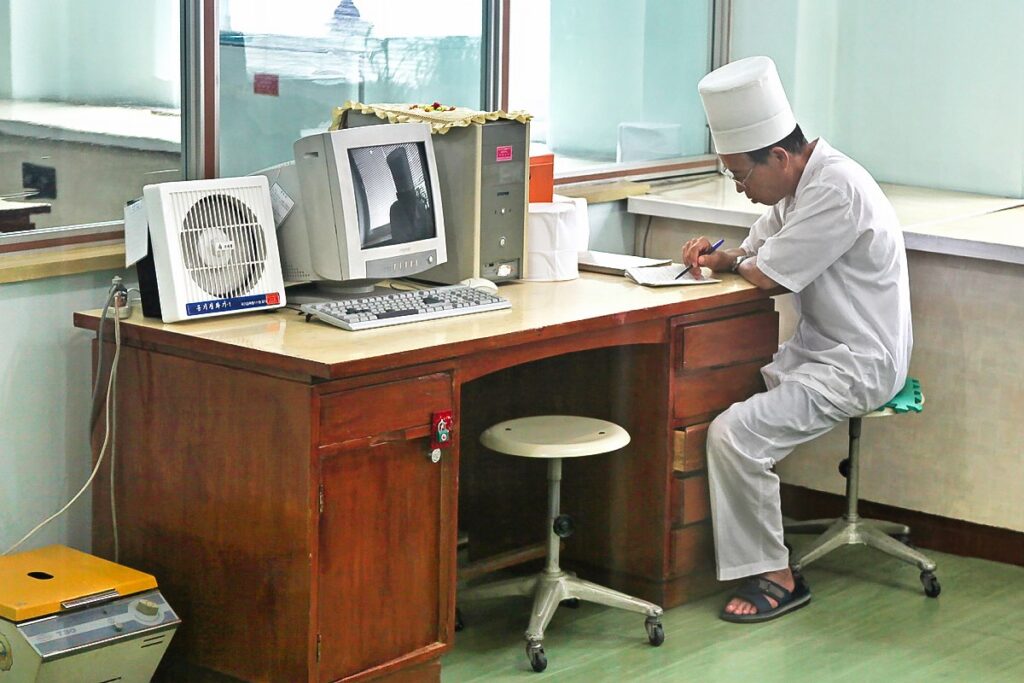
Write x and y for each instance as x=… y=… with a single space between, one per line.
x=542 y=177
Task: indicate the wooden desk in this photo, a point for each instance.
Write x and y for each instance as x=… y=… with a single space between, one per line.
x=273 y=474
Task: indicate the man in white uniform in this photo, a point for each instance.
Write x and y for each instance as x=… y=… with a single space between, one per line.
x=832 y=238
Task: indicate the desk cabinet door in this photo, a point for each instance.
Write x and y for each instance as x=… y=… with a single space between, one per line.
x=384 y=565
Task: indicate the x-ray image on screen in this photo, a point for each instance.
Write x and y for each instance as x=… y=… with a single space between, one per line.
x=393 y=194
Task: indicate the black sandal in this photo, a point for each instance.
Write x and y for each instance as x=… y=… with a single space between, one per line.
x=758 y=589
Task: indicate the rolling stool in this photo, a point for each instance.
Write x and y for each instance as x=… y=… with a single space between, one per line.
x=555 y=437
x=853 y=529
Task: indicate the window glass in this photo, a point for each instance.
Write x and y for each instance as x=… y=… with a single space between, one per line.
x=921 y=93
x=285 y=66
x=89 y=108
x=610 y=81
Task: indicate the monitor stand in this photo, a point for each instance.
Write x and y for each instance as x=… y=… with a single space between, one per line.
x=326 y=290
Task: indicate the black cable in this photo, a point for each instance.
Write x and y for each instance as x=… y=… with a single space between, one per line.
x=96 y=407
x=647 y=232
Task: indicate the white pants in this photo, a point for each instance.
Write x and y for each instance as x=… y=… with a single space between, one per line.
x=743 y=444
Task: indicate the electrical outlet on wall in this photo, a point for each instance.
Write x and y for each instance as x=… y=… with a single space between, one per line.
x=42 y=179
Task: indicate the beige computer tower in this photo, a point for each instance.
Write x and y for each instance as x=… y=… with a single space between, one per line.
x=484 y=175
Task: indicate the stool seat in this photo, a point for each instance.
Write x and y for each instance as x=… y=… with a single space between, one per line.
x=887 y=411
x=554 y=436
x=908 y=399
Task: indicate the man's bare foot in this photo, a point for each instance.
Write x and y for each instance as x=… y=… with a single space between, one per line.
x=783 y=577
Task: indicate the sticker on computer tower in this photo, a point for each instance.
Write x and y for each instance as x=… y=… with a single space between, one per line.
x=503 y=153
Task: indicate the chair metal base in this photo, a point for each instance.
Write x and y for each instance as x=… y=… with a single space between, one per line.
x=856 y=531
x=551 y=588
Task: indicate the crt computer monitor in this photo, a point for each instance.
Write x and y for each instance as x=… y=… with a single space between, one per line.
x=368 y=207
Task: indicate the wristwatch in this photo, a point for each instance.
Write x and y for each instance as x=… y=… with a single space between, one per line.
x=740 y=259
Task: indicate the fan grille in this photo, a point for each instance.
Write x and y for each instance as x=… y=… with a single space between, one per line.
x=223 y=245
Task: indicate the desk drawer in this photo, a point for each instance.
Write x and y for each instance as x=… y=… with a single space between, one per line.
x=726 y=342
x=688 y=448
x=368 y=412
x=690 y=500
x=711 y=391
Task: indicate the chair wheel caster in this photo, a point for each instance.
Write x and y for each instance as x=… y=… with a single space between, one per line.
x=571 y=603
x=538 y=660
x=904 y=539
x=931 y=584
x=655 y=631
x=459 y=625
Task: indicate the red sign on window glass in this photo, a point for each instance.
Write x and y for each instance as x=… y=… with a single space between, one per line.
x=265 y=84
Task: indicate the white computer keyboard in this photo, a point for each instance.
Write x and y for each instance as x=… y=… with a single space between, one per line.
x=400 y=307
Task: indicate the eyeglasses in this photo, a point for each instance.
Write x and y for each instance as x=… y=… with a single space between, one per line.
x=742 y=183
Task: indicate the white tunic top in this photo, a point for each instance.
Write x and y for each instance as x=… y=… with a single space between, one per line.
x=837 y=245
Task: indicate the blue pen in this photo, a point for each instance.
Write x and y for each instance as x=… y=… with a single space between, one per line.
x=714 y=246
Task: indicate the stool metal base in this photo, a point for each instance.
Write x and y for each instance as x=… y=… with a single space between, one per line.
x=857 y=531
x=551 y=588
x=852 y=529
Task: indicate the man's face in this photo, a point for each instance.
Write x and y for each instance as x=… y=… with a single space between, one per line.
x=763 y=183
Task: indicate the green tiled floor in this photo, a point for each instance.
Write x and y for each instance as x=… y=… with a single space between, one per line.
x=868 y=621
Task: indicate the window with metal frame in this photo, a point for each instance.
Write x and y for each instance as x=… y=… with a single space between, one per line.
x=90 y=111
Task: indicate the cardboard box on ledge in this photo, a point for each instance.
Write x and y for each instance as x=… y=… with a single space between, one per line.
x=542 y=178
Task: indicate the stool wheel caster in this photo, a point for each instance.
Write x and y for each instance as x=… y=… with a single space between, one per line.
x=538 y=660
x=655 y=631
x=459 y=625
x=931 y=584
x=571 y=603
x=904 y=539
x=844 y=468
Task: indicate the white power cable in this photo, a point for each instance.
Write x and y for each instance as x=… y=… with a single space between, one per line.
x=107 y=425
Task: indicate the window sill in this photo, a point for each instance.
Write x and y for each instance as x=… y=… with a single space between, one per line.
x=44 y=263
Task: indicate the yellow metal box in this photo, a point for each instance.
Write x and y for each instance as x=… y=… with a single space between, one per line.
x=69 y=616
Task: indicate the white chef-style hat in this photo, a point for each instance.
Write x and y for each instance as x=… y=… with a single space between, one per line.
x=746 y=106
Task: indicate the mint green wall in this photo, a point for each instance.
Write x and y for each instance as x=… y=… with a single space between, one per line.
x=617 y=61
x=921 y=92
x=96 y=52
x=933 y=92
x=45 y=455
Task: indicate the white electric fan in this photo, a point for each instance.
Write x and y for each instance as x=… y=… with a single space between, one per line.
x=214 y=247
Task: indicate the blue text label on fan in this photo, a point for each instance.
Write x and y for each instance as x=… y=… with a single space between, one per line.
x=238 y=303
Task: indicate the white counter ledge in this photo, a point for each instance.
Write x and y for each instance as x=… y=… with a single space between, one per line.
x=938 y=221
x=139 y=128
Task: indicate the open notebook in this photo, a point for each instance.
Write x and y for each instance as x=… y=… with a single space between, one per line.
x=665 y=276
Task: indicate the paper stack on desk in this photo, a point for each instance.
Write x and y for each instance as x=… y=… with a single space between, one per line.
x=665 y=276
x=615 y=264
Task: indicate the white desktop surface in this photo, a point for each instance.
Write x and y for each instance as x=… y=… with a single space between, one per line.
x=940 y=221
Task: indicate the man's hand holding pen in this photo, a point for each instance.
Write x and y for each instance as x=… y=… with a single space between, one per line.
x=700 y=252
